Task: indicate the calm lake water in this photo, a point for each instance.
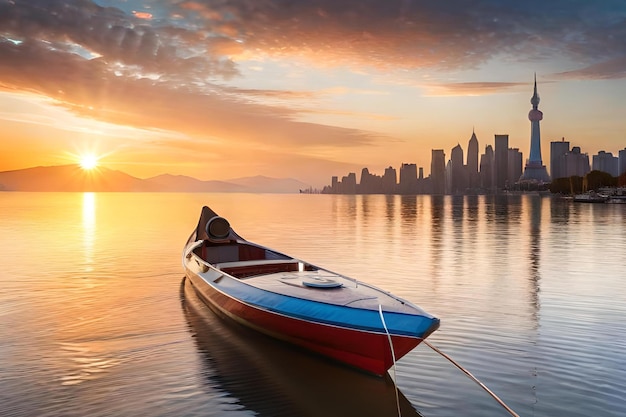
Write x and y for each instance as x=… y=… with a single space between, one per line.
x=96 y=319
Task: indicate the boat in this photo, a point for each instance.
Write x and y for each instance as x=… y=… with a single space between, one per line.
x=329 y=314
x=615 y=195
x=265 y=375
x=590 y=197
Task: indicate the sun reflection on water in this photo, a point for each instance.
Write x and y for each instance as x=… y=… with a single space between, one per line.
x=89 y=228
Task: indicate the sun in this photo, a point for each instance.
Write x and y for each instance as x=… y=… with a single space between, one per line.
x=88 y=161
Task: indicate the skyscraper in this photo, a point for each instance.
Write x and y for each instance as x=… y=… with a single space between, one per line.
x=565 y=163
x=458 y=177
x=472 y=162
x=486 y=168
x=622 y=161
x=535 y=170
x=438 y=171
x=557 y=151
x=408 y=179
x=515 y=166
x=501 y=161
x=348 y=184
x=389 y=181
x=606 y=162
x=575 y=162
x=370 y=183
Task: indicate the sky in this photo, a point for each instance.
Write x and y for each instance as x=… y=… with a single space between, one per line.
x=219 y=89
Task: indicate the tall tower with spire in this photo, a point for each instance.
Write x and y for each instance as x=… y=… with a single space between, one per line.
x=535 y=171
x=472 y=162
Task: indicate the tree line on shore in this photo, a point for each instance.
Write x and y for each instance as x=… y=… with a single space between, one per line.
x=594 y=180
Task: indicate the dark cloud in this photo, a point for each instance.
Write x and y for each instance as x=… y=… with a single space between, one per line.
x=451 y=34
x=108 y=32
x=166 y=71
x=196 y=42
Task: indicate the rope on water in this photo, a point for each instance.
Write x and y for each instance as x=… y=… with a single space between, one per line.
x=393 y=356
x=473 y=378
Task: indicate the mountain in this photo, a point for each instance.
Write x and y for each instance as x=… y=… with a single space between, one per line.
x=182 y=183
x=263 y=184
x=74 y=178
x=70 y=178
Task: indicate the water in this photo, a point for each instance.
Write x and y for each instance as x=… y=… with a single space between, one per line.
x=96 y=319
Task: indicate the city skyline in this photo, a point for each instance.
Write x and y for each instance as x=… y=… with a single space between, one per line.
x=308 y=90
x=497 y=171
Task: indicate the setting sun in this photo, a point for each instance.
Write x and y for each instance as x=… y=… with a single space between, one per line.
x=88 y=161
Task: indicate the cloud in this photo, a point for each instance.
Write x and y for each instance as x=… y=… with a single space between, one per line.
x=472 y=88
x=124 y=39
x=88 y=88
x=452 y=34
x=280 y=94
x=611 y=69
x=146 y=77
x=172 y=72
x=200 y=40
x=142 y=15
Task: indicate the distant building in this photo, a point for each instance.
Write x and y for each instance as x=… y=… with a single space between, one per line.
x=472 y=162
x=486 y=168
x=557 y=151
x=390 y=181
x=408 y=179
x=606 y=162
x=565 y=163
x=535 y=170
x=458 y=175
x=438 y=171
x=348 y=184
x=514 y=166
x=501 y=160
x=423 y=184
x=621 y=164
x=575 y=162
x=448 y=176
x=370 y=183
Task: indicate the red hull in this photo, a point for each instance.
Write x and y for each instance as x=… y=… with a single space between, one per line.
x=367 y=351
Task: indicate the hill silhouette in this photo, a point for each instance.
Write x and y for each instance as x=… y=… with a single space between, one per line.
x=74 y=178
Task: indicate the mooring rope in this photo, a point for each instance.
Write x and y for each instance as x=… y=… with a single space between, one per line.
x=393 y=356
x=473 y=378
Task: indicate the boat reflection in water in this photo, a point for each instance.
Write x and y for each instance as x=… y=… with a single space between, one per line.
x=273 y=378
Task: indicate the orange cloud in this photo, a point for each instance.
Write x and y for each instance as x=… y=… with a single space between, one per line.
x=142 y=15
x=89 y=88
x=178 y=73
x=472 y=88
